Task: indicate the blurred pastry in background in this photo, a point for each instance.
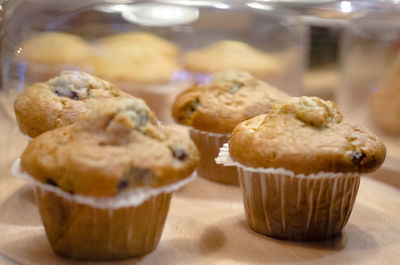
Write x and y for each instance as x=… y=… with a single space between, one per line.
x=385 y=101
x=46 y=54
x=153 y=41
x=137 y=57
x=230 y=54
x=133 y=63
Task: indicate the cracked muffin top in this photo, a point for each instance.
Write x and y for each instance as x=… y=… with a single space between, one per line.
x=54 y=48
x=60 y=101
x=118 y=146
x=230 y=98
x=306 y=135
x=230 y=54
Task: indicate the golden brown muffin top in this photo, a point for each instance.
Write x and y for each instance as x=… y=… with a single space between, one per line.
x=306 y=135
x=54 y=48
x=60 y=101
x=230 y=98
x=230 y=54
x=147 y=39
x=118 y=146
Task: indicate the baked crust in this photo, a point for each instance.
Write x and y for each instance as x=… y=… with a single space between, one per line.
x=60 y=101
x=117 y=146
x=230 y=54
x=230 y=98
x=306 y=135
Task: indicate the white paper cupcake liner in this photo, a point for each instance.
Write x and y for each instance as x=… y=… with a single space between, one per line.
x=216 y=135
x=209 y=144
x=84 y=232
x=129 y=198
x=283 y=204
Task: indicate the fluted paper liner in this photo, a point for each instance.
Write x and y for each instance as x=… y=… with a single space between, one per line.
x=209 y=144
x=89 y=228
x=282 y=204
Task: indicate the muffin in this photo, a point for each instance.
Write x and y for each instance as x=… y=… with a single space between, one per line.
x=104 y=183
x=213 y=109
x=46 y=54
x=230 y=54
x=384 y=102
x=299 y=168
x=147 y=39
x=60 y=101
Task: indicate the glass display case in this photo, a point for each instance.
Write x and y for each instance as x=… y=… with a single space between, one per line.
x=327 y=20
x=370 y=71
x=151 y=49
x=154 y=49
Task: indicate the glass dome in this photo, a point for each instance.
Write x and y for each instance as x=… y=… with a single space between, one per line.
x=370 y=74
x=151 y=49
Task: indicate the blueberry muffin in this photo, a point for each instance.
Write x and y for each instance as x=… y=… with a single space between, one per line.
x=299 y=168
x=230 y=54
x=46 y=54
x=308 y=127
x=213 y=109
x=120 y=153
x=60 y=101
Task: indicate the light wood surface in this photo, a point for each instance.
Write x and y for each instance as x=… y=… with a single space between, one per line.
x=206 y=225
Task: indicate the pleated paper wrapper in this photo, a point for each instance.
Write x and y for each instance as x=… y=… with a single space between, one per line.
x=89 y=228
x=282 y=204
x=209 y=144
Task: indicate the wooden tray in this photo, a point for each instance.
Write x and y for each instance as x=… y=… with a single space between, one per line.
x=206 y=225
